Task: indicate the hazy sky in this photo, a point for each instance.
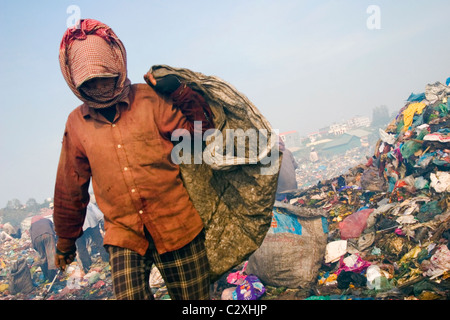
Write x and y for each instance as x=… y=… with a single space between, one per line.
x=304 y=64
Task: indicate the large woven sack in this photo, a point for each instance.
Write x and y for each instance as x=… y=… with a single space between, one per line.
x=293 y=250
x=20 y=278
x=234 y=193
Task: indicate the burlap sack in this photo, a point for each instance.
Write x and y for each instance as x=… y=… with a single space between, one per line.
x=20 y=278
x=293 y=250
x=234 y=194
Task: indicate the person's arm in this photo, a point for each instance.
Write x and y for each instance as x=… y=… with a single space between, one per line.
x=71 y=198
x=193 y=106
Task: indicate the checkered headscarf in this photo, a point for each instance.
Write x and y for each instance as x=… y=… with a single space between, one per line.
x=89 y=50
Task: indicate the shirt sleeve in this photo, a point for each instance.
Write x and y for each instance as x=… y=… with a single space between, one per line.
x=71 y=188
x=188 y=107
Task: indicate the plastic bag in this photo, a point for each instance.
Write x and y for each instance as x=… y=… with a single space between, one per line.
x=421 y=183
x=440 y=181
x=335 y=250
x=353 y=263
x=353 y=225
x=409 y=148
x=376 y=279
x=440 y=262
x=251 y=289
x=237 y=277
x=428 y=211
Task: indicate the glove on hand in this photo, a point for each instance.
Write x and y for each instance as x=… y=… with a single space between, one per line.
x=166 y=85
x=65 y=252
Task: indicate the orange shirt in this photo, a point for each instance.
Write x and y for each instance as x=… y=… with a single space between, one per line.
x=129 y=164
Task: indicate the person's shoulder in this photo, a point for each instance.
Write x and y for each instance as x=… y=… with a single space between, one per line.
x=79 y=111
x=143 y=91
x=141 y=87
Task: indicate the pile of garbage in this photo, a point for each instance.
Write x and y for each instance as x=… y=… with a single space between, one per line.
x=386 y=224
x=73 y=284
x=310 y=173
x=388 y=219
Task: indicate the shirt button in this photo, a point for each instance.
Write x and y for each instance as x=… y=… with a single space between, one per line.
x=113 y=125
x=133 y=190
x=119 y=146
x=125 y=169
x=141 y=212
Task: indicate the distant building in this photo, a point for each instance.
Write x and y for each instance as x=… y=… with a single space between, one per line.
x=348 y=140
x=341 y=145
x=314 y=136
x=318 y=144
x=353 y=123
x=362 y=134
x=358 y=122
x=324 y=131
x=338 y=128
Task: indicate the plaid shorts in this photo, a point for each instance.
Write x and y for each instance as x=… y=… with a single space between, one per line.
x=185 y=271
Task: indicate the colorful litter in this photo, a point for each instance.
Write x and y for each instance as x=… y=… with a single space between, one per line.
x=378 y=230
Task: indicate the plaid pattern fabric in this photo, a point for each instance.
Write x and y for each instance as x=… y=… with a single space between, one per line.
x=93 y=57
x=185 y=272
x=91 y=49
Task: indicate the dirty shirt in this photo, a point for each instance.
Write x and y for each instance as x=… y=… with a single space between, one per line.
x=128 y=161
x=40 y=227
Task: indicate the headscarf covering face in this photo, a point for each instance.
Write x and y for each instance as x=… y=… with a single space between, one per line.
x=92 y=50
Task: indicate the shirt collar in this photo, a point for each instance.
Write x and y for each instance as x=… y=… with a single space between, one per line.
x=87 y=111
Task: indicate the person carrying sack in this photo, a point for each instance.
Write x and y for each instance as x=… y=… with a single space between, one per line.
x=119 y=140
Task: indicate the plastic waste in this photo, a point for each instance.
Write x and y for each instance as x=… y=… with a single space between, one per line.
x=335 y=250
x=428 y=211
x=251 y=289
x=387 y=137
x=376 y=279
x=227 y=294
x=409 y=148
x=440 y=181
x=439 y=262
x=421 y=183
x=353 y=225
x=353 y=263
x=237 y=277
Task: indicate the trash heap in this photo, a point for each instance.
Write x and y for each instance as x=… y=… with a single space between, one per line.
x=73 y=284
x=310 y=173
x=387 y=226
x=11 y=251
x=389 y=218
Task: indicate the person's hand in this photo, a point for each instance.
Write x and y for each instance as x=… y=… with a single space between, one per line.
x=166 y=85
x=150 y=79
x=65 y=253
